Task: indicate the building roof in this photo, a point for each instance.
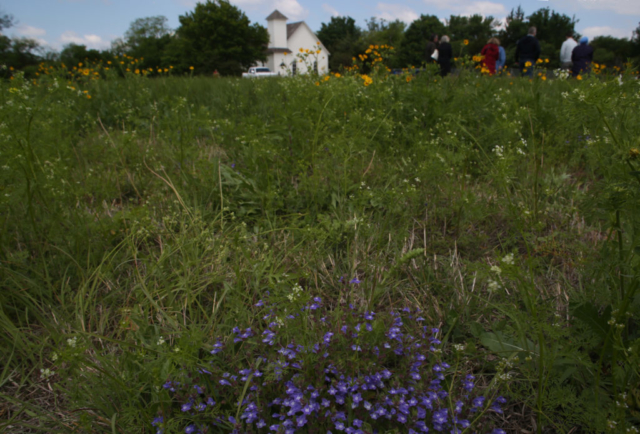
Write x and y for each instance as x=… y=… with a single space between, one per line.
x=276 y=15
x=291 y=28
x=279 y=50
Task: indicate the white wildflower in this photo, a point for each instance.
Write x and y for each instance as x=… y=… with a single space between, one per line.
x=72 y=342
x=46 y=373
x=508 y=259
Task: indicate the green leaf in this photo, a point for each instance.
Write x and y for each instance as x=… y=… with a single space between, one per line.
x=499 y=342
x=588 y=314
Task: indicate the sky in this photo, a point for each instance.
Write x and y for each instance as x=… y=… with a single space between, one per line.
x=95 y=23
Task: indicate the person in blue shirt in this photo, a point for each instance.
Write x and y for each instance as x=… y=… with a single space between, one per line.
x=502 y=57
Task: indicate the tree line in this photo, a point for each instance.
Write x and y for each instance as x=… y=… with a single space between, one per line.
x=217 y=36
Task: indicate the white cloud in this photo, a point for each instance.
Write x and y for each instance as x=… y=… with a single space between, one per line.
x=484 y=8
x=624 y=7
x=330 y=9
x=594 y=31
x=469 y=7
x=291 y=9
x=240 y=3
x=392 y=12
x=91 y=41
x=30 y=31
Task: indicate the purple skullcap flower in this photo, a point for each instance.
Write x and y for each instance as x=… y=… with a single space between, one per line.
x=339 y=426
x=224 y=382
x=349 y=430
x=368 y=327
x=274 y=427
x=354 y=281
x=422 y=413
x=437 y=368
x=317 y=299
x=369 y=315
x=445 y=365
x=355 y=347
x=201 y=406
x=501 y=400
x=357 y=423
x=440 y=416
x=341 y=279
x=498 y=431
x=157 y=421
x=478 y=402
x=344 y=328
x=415 y=376
x=367 y=405
x=301 y=421
x=232 y=419
x=261 y=423
x=340 y=399
x=260 y=303
x=357 y=399
x=340 y=415
x=190 y=429
x=186 y=406
x=401 y=418
x=435 y=330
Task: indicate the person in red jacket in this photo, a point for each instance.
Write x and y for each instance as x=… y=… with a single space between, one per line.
x=491 y=52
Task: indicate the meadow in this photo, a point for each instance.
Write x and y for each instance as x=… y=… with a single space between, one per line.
x=352 y=254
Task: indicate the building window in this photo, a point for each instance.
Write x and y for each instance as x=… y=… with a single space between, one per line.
x=294 y=66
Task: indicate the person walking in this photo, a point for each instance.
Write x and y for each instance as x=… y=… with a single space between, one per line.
x=491 y=53
x=528 y=52
x=502 y=58
x=445 y=53
x=566 y=50
x=432 y=46
x=582 y=56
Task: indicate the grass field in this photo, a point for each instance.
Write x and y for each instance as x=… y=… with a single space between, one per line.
x=471 y=242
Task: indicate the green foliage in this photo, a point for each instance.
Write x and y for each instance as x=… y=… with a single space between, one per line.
x=73 y=54
x=149 y=219
x=217 y=36
x=476 y=29
x=413 y=49
x=341 y=36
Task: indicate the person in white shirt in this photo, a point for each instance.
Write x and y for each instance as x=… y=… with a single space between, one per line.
x=566 y=50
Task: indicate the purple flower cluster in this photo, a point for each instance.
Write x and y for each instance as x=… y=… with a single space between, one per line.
x=365 y=371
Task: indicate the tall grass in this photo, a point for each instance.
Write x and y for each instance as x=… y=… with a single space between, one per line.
x=506 y=210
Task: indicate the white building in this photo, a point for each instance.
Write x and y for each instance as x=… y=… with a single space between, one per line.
x=294 y=48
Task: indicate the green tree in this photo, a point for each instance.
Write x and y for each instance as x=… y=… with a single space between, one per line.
x=476 y=29
x=383 y=32
x=72 y=54
x=20 y=53
x=6 y=21
x=146 y=39
x=341 y=37
x=635 y=44
x=552 y=26
x=413 y=49
x=611 y=51
x=217 y=36
x=516 y=27
x=145 y=28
